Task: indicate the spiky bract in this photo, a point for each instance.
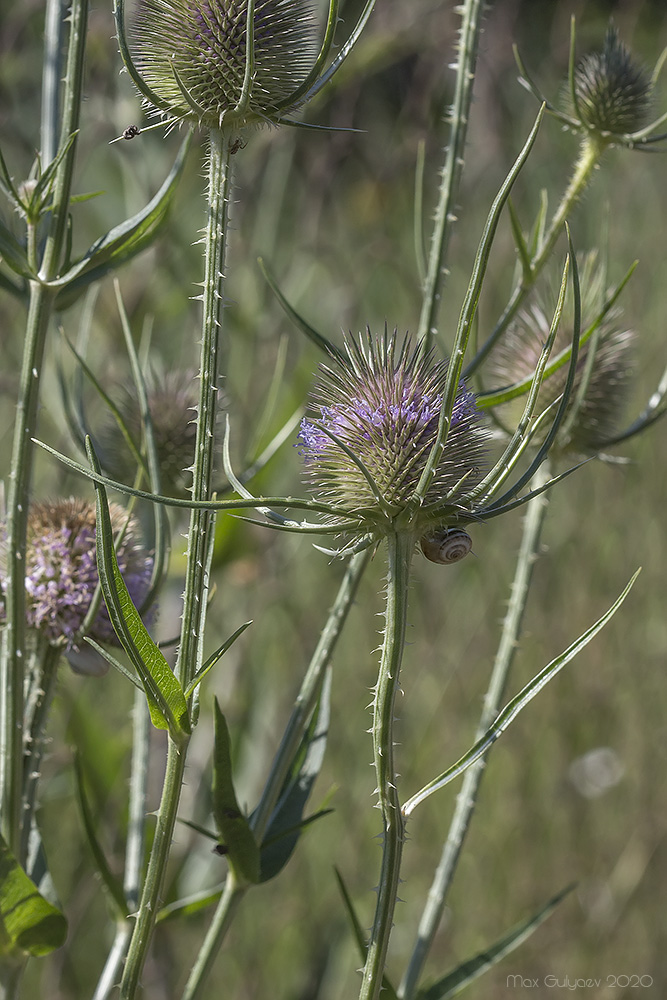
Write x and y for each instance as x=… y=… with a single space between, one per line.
x=382 y=402
x=613 y=92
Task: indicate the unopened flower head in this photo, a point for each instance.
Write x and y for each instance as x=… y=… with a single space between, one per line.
x=172 y=403
x=608 y=376
x=192 y=55
x=613 y=92
x=378 y=412
x=61 y=571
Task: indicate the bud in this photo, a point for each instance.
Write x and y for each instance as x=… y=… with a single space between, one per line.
x=613 y=93
x=172 y=404
x=600 y=409
x=381 y=404
x=191 y=55
x=61 y=571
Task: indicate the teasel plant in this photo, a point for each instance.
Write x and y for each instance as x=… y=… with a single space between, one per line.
x=432 y=496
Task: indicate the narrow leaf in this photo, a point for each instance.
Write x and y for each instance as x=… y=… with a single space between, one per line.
x=286 y=823
x=28 y=922
x=213 y=659
x=238 y=839
x=388 y=990
x=166 y=701
x=109 y=880
x=512 y=709
x=467 y=972
x=126 y=240
x=317 y=338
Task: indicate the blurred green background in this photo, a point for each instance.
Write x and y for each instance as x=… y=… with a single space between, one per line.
x=576 y=790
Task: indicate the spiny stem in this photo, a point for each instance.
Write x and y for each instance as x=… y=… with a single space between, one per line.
x=400 y=549
x=298 y=722
x=200 y=547
x=453 y=168
x=467 y=798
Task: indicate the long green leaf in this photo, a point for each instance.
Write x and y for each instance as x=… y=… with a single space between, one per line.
x=286 y=823
x=109 y=880
x=124 y=241
x=512 y=709
x=29 y=924
x=239 y=842
x=214 y=658
x=12 y=252
x=166 y=701
x=467 y=972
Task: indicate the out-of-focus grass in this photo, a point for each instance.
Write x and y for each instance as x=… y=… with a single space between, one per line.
x=332 y=215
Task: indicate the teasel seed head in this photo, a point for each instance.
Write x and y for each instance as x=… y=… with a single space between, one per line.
x=613 y=92
x=192 y=56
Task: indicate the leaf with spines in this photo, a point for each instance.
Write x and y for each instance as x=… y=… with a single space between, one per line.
x=29 y=924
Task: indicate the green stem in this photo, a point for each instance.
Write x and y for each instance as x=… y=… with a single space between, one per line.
x=591 y=153
x=202 y=523
x=12 y=661
x=135 y=845
x=400 y=547
x=38 y=704
x=451 y=175
x=157 y=865
x=302 y=711
x=200 y=546
x=41 y=303
x=467 y=798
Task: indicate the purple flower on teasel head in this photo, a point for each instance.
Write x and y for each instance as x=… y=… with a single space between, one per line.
x=382 y=403
x=61 y=571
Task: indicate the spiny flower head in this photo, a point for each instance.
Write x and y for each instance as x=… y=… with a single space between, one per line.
x=192 y=58
x=172 y=403
x=61 y=571
x=613 y=92
x=378 y=413
x=596 y=414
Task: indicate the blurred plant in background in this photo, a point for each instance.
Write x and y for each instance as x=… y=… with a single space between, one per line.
x=418 y=440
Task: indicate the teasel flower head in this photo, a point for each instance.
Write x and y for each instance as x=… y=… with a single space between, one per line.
x=603 y=371
x=226 y=64
x=612 y=92
x=376 y=414
x=609 y=97
x=172 y=404
x=61 y=571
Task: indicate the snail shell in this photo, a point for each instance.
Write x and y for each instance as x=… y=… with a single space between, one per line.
x=447 y=545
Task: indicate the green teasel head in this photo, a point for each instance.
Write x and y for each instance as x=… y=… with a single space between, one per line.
x=228 y=64
x=612 y=91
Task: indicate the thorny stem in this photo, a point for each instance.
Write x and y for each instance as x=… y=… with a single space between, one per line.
x=41 y=304
x=302 y=711
x=400 y=550
x=136 y=838
x=472 y=11
x=200 y=546
x=467 y=798
x=591 y=152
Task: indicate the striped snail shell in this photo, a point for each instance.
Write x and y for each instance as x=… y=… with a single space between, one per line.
x=447 y=545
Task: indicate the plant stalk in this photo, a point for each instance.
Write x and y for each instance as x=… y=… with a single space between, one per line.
x=467 y=797
x=400 y=550
x=200 y=546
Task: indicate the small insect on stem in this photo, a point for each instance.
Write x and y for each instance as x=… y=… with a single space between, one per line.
x=129 y=133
